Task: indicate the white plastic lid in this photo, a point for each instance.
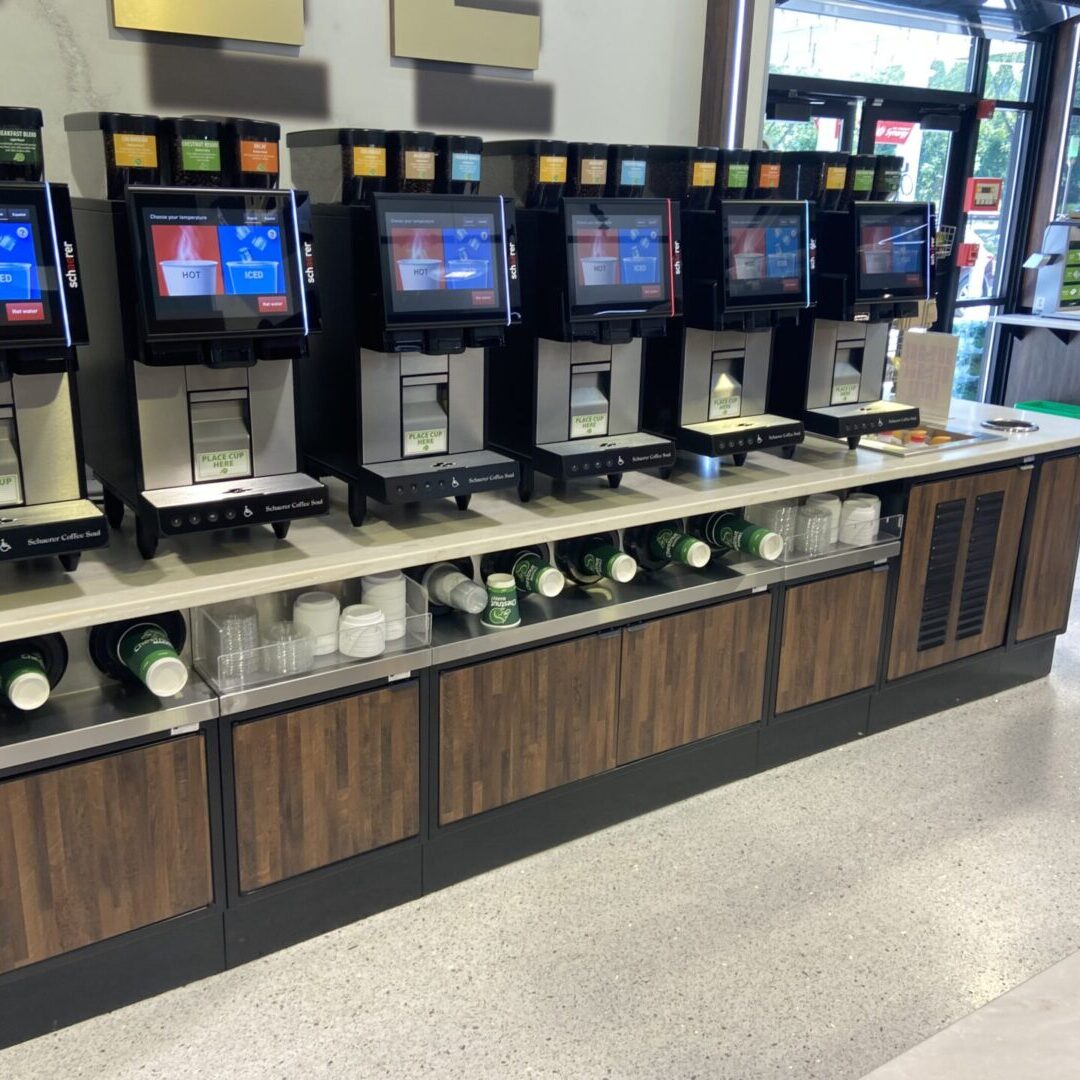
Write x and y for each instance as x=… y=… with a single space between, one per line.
x=167 y=676
x=317 y=602
x=357 y=615
x=824 y=498
x=698 y=554
x=469 y=597
x=623 y=568
x=551 y=581
x=772 y=546
x=501 y=581
x=387 y=577
x=28 y=691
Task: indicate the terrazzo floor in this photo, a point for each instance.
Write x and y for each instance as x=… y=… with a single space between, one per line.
x=814 y=921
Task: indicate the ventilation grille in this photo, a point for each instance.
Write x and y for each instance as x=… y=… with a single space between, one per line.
x=980 y=564
x=940 y=574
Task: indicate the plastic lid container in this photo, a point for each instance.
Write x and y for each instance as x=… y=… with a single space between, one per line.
x=362 y=631
x=318 y=612
x=166 y=676
x=28 y=690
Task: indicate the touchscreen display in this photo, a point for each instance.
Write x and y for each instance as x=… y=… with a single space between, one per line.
x=893 y=251
x=765 y=255
x=442 y=261
x=226 y=261
x=619 y=258
x=22 y=299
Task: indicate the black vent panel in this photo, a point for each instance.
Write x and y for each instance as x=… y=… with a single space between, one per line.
x=982 y=544
x=941 y=574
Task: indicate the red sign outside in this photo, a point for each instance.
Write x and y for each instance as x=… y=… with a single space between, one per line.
x=893 y=132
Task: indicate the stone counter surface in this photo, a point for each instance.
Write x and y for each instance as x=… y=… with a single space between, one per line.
x=116 y=583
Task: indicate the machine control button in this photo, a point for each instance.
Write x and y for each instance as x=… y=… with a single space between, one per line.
x=194 y=519
x=230 y=514
x=176 y=522
x=212 y=517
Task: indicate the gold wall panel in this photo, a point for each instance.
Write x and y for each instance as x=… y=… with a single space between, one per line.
x=277 y=21
x=443 y=30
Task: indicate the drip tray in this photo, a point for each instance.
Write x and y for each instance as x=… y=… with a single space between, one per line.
x=1010 y=426
x=925 y=440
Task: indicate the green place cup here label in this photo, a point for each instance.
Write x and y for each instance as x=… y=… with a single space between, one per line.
x=221 y=464
x=25 y=661
x=864 y=180
x=19 y=146
x=200 y=155
x=671 y=544
x=588 y=424
x=429 y=441
x=142 y=646
x=738 y=176
x=527 y=571
x=9 y=489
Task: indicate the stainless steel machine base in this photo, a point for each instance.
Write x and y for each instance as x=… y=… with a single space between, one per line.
x=853 y=421
x=738 y=435
x=65 y=529
x=226 y=504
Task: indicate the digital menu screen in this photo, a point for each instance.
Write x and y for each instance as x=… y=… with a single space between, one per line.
x=765 y=256
x=224 y=260
x=893 y=252
x=619 y=258
x=442 y=261
x=22 y=298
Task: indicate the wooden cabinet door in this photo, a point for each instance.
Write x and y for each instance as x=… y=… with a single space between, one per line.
x=523 y=724
x=961 y=540
x=95 y=849
x=689 y=676
x=831 y=640
x=1050 y=567
x=322 y=784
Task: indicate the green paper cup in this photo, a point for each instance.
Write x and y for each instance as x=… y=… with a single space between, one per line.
x=23 y=680
x=148 y=654
x=502 y=611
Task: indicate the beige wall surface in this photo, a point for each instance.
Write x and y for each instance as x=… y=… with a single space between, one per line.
x=610 y=70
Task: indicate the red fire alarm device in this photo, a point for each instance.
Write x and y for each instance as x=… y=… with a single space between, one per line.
x=967 y=254
x=983 y=194
x=985 y=109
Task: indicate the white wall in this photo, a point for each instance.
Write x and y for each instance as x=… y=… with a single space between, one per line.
x=620 y=70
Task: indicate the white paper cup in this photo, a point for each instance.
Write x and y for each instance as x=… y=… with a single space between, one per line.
x=15 y=280
x=190 y=277
x=419 y=275
x=253 y=276
x=749 y=265
x=599 y=269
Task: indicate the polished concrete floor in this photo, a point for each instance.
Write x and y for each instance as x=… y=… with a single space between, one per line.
x=811 y=922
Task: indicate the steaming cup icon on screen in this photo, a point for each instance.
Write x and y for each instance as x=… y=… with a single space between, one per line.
x=419 y=274
x=749 y=265
x=599 y=269
x=15 y=280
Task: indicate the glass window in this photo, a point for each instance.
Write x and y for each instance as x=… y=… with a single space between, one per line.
x=925 y=154
x=1008 y=71
x=997 y=155
x=828 y=47
x=973 y=327
x=817 y=133
x=1069 y=181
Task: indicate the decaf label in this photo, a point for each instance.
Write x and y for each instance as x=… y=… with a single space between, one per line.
x=632 y=174
x=369 y=161
x=738 y=175
x=723 y=406
x=419 y=164
x=465 y=167
x=704 y=174
x=258 y=157
x=588 y=424
x=134 y=151
x=428 y=441
x=200 y=155
x=768 y=176
x=835 y=177
x=9 y=489
x=552 y=169
x=222 y=464
x=864 y=180
x=18 y=146
x=593 y=171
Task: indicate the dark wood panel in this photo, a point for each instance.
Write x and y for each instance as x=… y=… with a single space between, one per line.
x=689 y=676
x=905 y=656
x=831 y=641
x=93 y=850
x=322 y=784
x=1051 y=555
x=526 y=723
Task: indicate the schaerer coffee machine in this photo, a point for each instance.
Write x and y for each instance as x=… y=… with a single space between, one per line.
x=874 y=264
x=598 y=274
x=746 y=269
x=418 y=278
x=43 y=504
x=200 y=303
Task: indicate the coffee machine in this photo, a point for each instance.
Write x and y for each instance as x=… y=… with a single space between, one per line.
x=201 y=302
x=419 y=276
x=43 y=506
x=874 y=265
x=746 y=269
x=599 y=274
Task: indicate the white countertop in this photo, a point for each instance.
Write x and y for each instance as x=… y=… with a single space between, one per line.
x=115 y=582
x=1039 y=322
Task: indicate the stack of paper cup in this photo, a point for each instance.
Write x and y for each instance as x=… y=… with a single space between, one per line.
x=831 y=503
x=318 y=612
x=362 y=631
x=387 y=593
x=859 y=519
